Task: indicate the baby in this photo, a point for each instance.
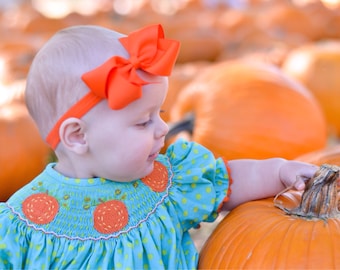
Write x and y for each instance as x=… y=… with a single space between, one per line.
x=111 y=201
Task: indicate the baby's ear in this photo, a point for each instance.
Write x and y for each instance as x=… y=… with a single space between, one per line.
x=72 y=135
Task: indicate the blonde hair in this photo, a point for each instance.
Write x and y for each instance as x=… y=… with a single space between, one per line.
x=54 y=80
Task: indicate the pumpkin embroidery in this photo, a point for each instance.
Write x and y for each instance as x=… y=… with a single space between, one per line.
x=110 y=216
x=40 y=208
x=157 y=180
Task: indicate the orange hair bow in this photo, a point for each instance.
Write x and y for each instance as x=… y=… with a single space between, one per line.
x=117 y=79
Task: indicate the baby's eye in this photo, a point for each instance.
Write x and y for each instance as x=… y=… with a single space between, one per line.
x=144 y=124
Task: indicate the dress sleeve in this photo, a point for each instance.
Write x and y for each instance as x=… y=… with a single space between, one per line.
x=201 y=183
x=11 y=245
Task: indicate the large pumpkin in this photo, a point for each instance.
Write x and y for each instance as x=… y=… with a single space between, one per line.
x=251 y=110
x=317 y=65
x=330 y=154
x=23 y=153
x=288 y=232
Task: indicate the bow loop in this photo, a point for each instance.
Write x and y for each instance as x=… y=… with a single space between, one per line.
x=117 y=78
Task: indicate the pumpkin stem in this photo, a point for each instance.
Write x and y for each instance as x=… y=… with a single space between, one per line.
x=319 y=199
x=186 y=124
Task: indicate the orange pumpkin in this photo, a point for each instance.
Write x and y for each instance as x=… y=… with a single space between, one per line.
x=198 y=45
x=290 y=22
x=329 y=155
x=293 y=231
x=16 y=53
x=316 y=65
x=251 y=110
x=200 y=40
x=23 y=153
x=181 y=75
x=244 y=36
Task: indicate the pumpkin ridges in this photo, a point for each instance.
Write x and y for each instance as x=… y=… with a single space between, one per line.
x=334 y=249
x=231 y=244
x=288 y=236
x=216 y=241
x=271 y=231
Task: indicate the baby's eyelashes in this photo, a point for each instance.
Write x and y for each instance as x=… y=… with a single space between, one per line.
x=144 y=124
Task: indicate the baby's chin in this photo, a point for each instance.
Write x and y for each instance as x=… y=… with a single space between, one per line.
x=149 y=168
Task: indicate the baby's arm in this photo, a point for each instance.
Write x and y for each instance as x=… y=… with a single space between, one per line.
x=257 y=179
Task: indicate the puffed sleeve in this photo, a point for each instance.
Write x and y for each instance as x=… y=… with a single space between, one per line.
x=201 y=183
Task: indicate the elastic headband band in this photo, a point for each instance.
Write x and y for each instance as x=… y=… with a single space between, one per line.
x=117 y=80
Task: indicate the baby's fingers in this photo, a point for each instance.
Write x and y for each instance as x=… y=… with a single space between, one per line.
x=296 y=173
x=299 y=184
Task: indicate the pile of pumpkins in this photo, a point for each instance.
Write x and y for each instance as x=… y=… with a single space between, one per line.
x=245 y=85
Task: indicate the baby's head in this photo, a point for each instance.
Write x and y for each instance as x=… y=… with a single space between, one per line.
x=62 y=72
x=54 y=81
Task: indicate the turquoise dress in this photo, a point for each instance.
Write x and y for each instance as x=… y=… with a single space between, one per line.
x=56 y=222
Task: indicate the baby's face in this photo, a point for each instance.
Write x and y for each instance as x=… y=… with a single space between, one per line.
x=124 y=143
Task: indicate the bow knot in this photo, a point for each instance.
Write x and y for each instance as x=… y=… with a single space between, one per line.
x=117 y=79
x=135 y=62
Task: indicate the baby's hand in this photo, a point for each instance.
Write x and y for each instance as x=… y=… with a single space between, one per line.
x=295 y=173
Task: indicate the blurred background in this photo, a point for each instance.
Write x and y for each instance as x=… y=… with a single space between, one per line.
x=287 y=55
x=210 y=30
